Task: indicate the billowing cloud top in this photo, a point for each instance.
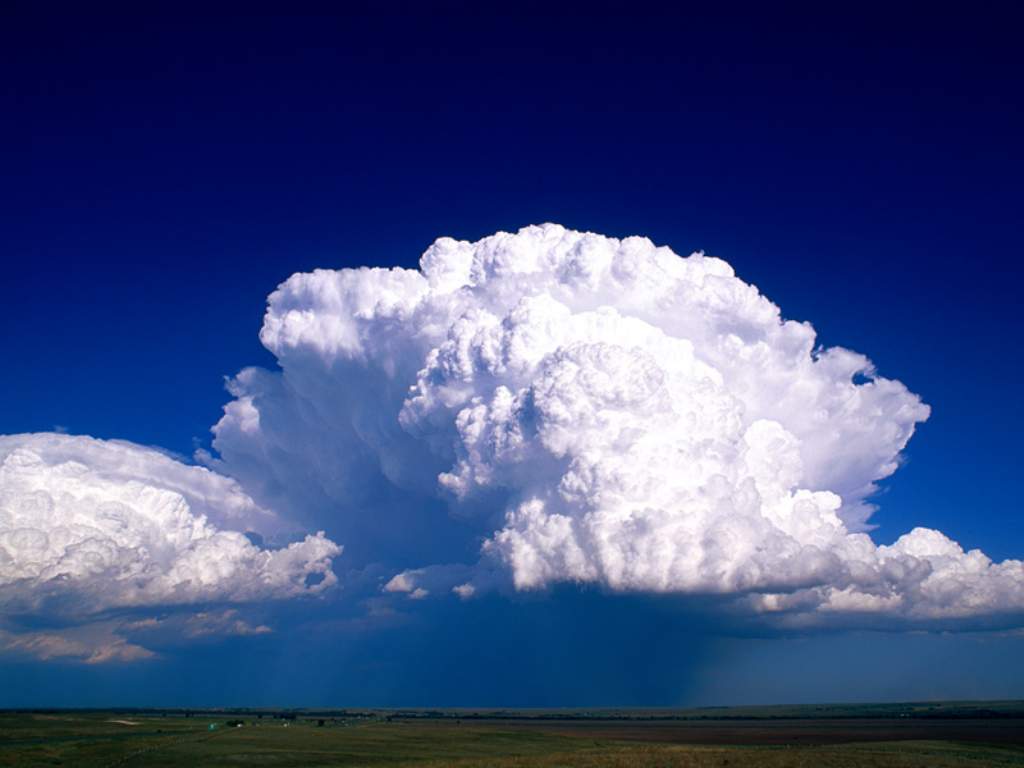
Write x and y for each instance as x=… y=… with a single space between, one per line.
x=89 y=525
x=534 y=408
x=595 y=410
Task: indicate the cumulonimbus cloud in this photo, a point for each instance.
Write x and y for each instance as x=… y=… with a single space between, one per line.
x=90 y=525
x=597 y=411
x=534 y=408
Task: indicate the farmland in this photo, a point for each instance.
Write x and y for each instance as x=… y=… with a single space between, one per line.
x=978 y=734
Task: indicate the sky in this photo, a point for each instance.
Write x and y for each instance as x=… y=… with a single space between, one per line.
x=164 y=174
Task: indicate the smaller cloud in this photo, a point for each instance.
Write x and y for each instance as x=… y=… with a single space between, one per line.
x=95 y=644
x=89 y=525
x=114 y=640
x=119 y=650
x=403 y=582
x=180 y=628
x=226 y=623
x=205 y=624
x=465 y=591
x=418 y=583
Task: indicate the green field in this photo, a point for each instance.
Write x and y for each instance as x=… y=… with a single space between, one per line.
x=735 y=738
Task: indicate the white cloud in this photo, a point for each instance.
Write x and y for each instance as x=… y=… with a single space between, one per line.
x=417 y=583
x=404 y=582
x=465 y=591
x=90 y=525
x=599 y=411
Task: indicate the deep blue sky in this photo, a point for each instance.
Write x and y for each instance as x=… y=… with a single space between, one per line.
x=162 y=173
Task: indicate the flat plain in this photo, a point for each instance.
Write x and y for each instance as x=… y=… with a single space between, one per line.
x=904 y=736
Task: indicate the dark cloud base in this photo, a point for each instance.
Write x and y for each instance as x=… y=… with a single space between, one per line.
x=566 y=648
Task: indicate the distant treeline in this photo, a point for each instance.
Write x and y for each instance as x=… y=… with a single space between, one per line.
x=916 y=710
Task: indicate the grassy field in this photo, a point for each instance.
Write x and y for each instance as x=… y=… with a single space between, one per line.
x=88 y=739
